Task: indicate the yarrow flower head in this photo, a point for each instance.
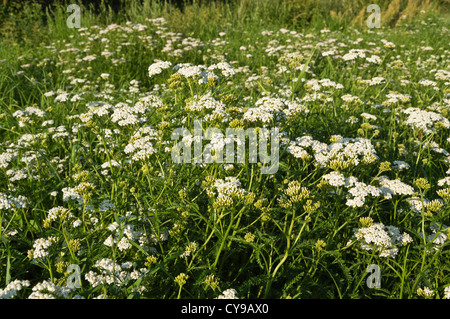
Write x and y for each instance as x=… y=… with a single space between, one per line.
x=158 y=67
x=381 y=238
x=226 y=190
x=40 y=248
x=49 y=290
x=294 y=193
x=11 y=202
x=111 y=272
x=228 y=294
x=344 y=153
x=270 y=108
x=394 y=187
x=213 y=109
x=425 y=120
x=425 y=292
x=335 y=178
x=11 y=290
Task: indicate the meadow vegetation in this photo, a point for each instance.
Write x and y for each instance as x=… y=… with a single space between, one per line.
x=87 y=176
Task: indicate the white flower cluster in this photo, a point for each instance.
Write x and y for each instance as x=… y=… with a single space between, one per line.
x=192 y=247
x=58 y=132
x=125 y=232
x=424 y=120
x=13 y=288
x=24 y=116
x=40 y=247
x=59 y=212
x=62 y=97
x=109 y=165
x=348 y=98
x=447 y=292
x=346 y=151
x=354 y=54
x=213 y=151
x=188 y=70
x=425 y=82
x=148 y=102
x=200 y=72
x=226 y=190
x=374 y=81
x=70 y=193
x=130 y=233
x=360 y=191
x=106 y=206
x=400 y=165
x=395 y=97
x=18 y=174
x=381 y=238
x=111 y=272
x=442 y=75
x=298 y=146
x=228 y=294
x=158 y=67
x=48 y=290
x=374 y=59
x=368 y=116
x=96 y=108
x=394 y=187
x=270 y=108
x=230 y=186
x=416 y=204
x=140 y=144
x=388 y=44
x=29 y=140
x=444 y=181
x=7 y=156
x=203 y=73
x=216 y=109
x=141 y=148
x=124 y=114
x=226 y=69
x=335 y=178
x=8 y=202
x=425 y=292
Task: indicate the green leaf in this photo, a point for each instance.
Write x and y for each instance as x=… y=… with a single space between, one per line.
x=8 y=268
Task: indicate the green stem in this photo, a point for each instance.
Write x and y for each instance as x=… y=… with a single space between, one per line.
x=224 y=239
x=286 y=255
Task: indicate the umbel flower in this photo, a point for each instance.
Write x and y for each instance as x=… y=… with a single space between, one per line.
x=225 y=190
x=228 y=294
x=270 y=108
x=340 y=154
x=13 y=288
x=293 y=194
x=381 y=238
x=158 y=67
x=11 y=202
x=424 y=120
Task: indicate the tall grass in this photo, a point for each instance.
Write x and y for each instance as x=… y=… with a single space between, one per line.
x=24 y=20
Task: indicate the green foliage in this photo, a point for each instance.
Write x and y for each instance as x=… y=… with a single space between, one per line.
x=92 y=201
